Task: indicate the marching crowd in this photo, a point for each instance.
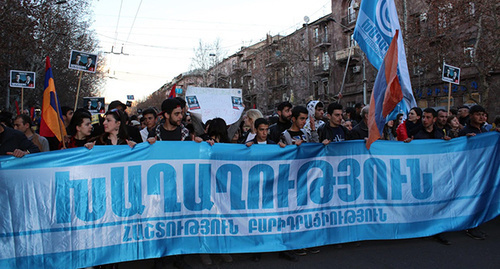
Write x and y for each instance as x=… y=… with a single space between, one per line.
x=290 y=125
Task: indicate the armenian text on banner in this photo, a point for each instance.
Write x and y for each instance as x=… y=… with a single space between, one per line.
x=77 y=208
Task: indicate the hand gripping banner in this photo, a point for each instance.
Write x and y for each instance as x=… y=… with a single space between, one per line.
x=76 y=208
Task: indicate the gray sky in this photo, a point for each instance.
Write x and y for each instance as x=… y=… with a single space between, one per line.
x=160 y=36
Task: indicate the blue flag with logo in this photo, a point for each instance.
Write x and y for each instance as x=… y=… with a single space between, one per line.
x=376 y=25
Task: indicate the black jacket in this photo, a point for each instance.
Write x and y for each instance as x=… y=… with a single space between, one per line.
x=11 y=139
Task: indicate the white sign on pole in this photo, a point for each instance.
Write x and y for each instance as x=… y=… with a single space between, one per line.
x=211 y=103
x=22 y=79
x=83 y=61
x=451 y=74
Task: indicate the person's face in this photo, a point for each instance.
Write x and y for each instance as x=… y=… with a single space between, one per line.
x=188 y=119
x=455 y=123
x=111 y=124
x=390 y=123
x=262 y=131
x=175 y=118
x=28 y=78
x=20 y=126
x=318 y=113
x=78 y=58
x=150 y=120
x=477 y=118
x=18 y=77
x=89 y=60
x=428 y=120
x=69 y=115
x=300 y=121
x=248 y=122
x=442 y=118
x=348 y=125
x=285 y=114
x=89 y=103
x=335 y=118
x=412 y=116
x=463 y=112
x=85 y=128
x=400 y=119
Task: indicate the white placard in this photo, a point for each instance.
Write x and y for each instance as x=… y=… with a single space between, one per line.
x=211 y=103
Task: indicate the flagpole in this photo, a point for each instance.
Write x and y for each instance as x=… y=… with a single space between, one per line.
x=449 y=97
x=78 y=89
x=22 y=100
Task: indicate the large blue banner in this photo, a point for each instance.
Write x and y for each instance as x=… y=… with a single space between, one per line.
x=76 y=208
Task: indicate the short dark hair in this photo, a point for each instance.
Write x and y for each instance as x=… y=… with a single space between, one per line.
x=25 y=118
x=359 y=105
x=441 y=110
x=432 y=111
x=149 y=110
x=182 y=101
x=464 y=106
x=351 y=111
x=116 y=104
x=260 y=121
x=332 y=107
x=65 y=109
x=297 y=110
x=476 y=108
x=169 y=105
x=282 y=105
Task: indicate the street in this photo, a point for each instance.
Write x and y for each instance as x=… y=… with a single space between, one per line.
x=464 y=252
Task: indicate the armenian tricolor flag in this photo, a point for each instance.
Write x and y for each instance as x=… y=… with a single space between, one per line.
x=172 y=92
x=386 y=93
x=52 y=123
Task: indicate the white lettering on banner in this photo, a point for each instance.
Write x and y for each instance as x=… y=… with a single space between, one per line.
x=249 y=186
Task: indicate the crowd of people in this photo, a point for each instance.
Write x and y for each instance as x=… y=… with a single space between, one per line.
x=290 y=125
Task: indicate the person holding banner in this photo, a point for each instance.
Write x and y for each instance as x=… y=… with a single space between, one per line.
x=115 y=132
x=172 y=129
x=411 y=125
x=261 y=126
x=296 y=135
x=15 y=143
x=250 y=117
x=454 y=126
x=23 y=123
x=284 y=112
x=79 y=129
x=476 y=121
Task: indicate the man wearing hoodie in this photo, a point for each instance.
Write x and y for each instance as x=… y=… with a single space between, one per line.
x=316 y=110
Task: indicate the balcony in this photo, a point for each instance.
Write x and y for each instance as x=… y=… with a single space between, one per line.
x=276 y=83
x=343 y=55
x=322 y=42
x=349 y=21
x=322 y=71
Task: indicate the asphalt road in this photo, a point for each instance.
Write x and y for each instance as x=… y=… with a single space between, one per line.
x=464 y=252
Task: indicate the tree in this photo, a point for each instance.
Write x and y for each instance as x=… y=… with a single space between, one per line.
x=206 y=56
x=462 y=33
x=32 y=30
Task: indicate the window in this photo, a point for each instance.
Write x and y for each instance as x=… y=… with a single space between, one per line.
x=316 y=61
x=316 y=34
x=326 y=61
x=325 y=34
x=351 y=12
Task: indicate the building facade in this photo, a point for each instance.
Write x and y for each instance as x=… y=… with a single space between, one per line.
x=321 y=60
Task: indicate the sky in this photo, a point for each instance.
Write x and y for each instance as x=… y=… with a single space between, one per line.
x=159 y=37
